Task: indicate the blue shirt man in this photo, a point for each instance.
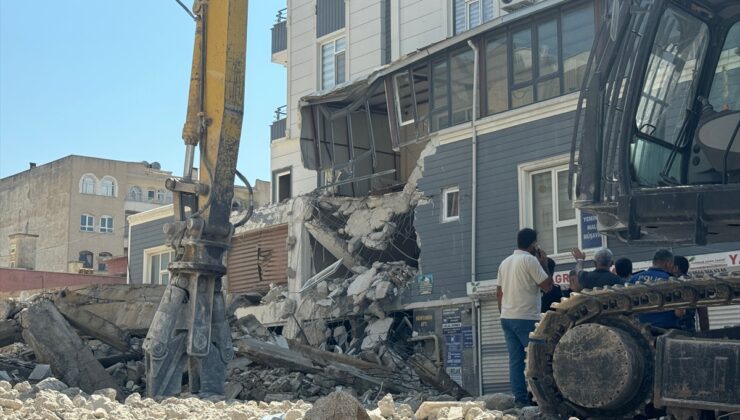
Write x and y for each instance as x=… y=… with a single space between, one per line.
x=660 y=271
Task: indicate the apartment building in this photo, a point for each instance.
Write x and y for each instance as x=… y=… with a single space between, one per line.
x=70 y=214
x=480 y=94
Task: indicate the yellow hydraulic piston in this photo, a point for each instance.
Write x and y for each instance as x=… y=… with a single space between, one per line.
x=190 y=326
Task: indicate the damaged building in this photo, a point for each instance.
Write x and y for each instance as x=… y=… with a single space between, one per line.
x=406 y=161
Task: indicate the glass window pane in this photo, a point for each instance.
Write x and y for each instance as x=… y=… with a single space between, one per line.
x=497 y=75
x=668 y=88
x=165 y=278
x=439 y=99
x=578 y=35
x=522 y=65
x=453 y=203
x=164 y=260
x=567 y=238
x=340 y=68
x=461 y=71
x=327 y=65
x=725 y=93
x=565 y=206
x=154 y=269
x=547 y=89
x=542 y=216
x=404 y=99
x=521 y=97
x=473 y=14
x=547 y=45
x=339 y=44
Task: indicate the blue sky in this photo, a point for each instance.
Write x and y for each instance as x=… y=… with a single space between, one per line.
x=110 y=80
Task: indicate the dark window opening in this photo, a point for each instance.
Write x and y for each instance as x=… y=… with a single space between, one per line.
x=103 y=261
x=282 y=181
x=86 y=258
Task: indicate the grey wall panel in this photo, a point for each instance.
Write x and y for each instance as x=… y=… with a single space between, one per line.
x=329 y=16
x=144 y=236
x=445 y=247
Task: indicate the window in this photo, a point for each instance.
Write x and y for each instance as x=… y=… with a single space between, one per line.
x=161 y=195
x=440 y=110
x=106 y=224
x=725 y=93
x=157 y=261
x=102 y=261
x=108 y=186
x=134 y=193
x=546 y=207
x=471 y=13
x=461 y=86
x=88 y=184
x=281 y=180
x=539 y=61
x=87 y=223
x=332 y=63
x=404 y=100
x=151 y=195
x=497 y=74
x=578 y=35
x=86 y=258
x=451 y=204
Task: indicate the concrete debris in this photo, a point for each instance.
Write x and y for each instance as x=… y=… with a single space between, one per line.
x=40 y=372
x=376 y=333
x=338 y=405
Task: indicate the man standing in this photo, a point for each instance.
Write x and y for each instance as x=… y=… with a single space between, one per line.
x=661 y=270
x=520 y=278
x=600 y=276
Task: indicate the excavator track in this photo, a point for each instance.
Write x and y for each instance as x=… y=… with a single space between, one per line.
x=595 y=334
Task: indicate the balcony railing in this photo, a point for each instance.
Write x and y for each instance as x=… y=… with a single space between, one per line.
x=280 y=32
x=277 y=128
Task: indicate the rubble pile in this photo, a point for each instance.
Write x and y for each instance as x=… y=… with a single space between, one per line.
x=52 y=399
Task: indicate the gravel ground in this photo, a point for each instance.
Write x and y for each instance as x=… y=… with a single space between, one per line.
x=52 y=399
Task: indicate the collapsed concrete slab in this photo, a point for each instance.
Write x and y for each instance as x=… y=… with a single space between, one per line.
x=10 y=332
x=55 y=342
x=93 y=325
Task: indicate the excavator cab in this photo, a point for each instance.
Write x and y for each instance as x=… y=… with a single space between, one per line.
x=656 y=153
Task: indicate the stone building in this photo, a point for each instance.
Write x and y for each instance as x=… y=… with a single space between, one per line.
x=72 y=212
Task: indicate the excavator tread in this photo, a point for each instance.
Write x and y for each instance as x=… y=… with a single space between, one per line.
x=605 y=304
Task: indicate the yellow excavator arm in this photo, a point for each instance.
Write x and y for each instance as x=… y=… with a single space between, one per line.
x=190 y=327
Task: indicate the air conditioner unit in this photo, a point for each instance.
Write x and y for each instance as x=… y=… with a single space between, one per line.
x=514 y=5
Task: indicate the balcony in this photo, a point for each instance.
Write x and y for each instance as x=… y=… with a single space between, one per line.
x=280 y=38
x=277 y=128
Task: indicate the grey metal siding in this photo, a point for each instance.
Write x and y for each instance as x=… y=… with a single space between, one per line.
x=279 y=36
x=329 y=16
x=385 y=32
x=445 y=247
x=144 y=236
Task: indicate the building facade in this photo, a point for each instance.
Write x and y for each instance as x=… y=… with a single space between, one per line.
x=481 y=96
x=74 y=210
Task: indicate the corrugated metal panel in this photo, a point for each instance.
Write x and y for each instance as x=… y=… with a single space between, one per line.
x=257 y=259
x=724 y=316
x=329 y=16
x=279 y=37
x=494 y=356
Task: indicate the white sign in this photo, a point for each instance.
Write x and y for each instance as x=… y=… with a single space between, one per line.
x=719 y=262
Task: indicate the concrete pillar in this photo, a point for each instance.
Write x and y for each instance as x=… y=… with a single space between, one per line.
x=23 y=250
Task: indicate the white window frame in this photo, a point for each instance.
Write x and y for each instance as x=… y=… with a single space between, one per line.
x=83 y=185
x=89 y=226
x=397 y=94
x=152 y=252
x=288 y=172
x=332 y=39
x=153 y=197
x=113 y=192
x=106 y=229
x=135 y=193
x=552 y=164
x=445 y=193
